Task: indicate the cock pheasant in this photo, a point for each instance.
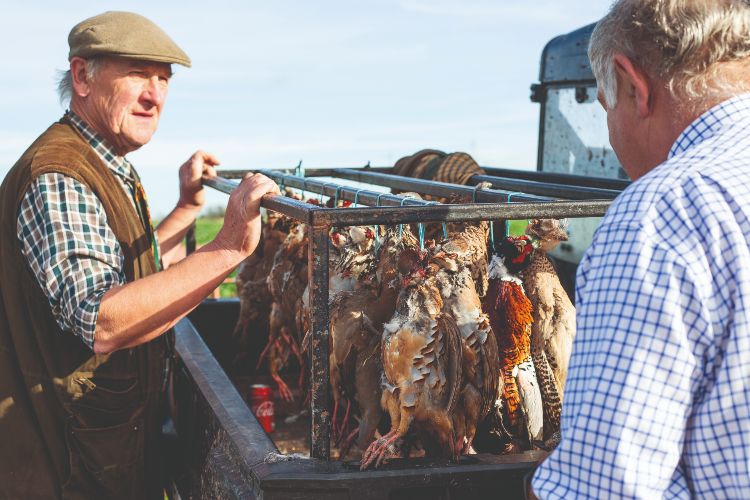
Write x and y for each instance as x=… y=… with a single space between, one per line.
x=517 y=417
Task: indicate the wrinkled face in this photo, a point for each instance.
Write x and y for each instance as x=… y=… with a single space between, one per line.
x=125 y=99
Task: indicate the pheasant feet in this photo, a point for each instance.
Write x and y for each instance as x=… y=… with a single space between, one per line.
x=378 y=450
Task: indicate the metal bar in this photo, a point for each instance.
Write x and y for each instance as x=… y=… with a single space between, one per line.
x=505 y=173
x=331 y=171
x=283 y=204
x=420 y=210
x=368 y=176
x=363 y=196
x=317 y=272
x=457 y=213
x=547 y=189
x=434 y=188
x=559 y=178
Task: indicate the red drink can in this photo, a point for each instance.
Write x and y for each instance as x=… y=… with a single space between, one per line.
x=261 y=405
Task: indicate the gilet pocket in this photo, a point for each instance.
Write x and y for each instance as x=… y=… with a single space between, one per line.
x=106 y=462
x=106 y=438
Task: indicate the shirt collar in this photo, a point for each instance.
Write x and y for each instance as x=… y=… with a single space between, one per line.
x=118 y=164
x=710 y=122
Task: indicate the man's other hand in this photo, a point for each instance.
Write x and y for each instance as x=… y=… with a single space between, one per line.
x=191 y=188
x=241 y=229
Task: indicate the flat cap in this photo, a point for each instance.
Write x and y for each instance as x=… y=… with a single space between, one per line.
x=124 y=34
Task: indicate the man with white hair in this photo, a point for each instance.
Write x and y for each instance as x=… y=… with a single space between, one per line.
x=657 y=399
x=86 y=309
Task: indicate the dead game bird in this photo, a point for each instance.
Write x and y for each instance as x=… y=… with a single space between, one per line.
x=421 y=353
x=459 y=259
x=357 y=319
x=518 y=417
x=252 y=287
x=286 y=283
x=553 y=329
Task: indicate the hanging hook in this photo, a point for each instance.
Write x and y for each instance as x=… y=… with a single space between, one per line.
x=474 y=196
x=401 y=226
x=336 y=198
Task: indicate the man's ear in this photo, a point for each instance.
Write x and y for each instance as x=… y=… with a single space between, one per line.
x=81 y=83
x=635 y=83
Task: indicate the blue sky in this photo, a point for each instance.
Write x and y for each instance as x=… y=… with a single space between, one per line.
x=331 y=83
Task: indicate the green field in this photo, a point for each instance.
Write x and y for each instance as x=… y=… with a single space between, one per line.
x=205 y=231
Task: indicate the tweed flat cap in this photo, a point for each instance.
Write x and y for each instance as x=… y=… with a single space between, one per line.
x=124 y=34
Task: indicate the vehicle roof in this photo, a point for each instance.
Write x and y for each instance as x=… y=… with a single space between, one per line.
x=565 y=57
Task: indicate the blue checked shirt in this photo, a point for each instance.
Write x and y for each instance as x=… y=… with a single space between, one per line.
x=68 y=243
x=657 y=399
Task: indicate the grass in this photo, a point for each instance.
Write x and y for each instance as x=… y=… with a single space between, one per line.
x=517 y=227
x=205 y=231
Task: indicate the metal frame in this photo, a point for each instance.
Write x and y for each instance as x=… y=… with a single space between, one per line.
x=386 y=209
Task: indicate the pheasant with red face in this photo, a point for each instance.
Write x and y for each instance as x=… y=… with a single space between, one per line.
x=517 y=415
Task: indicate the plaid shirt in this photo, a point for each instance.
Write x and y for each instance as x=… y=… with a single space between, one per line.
x=68 y=243
x=657 y=400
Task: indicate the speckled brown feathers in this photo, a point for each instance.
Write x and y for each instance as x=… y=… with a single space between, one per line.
x=421 y=364
x=554 y=318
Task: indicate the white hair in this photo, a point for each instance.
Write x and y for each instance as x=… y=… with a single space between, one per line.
x=65 y=79
x=681 y=43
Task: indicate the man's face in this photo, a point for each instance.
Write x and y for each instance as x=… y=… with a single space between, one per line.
x=125 y=101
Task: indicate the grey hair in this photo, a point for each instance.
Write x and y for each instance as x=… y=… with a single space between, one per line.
x=65 y=79
x=681 y=43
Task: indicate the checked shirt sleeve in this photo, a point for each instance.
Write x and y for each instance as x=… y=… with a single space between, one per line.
x=71 y=250
x=632 y=373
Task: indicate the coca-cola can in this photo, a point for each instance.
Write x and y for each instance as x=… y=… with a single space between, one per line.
x=261 y=405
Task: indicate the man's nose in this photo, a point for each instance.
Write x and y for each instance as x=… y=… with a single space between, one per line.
x=155 y=91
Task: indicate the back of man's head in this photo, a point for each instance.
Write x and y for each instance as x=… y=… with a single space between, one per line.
x=690 y=46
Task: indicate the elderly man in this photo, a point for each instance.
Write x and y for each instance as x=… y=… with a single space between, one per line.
x=84 y=305
x=658 y=390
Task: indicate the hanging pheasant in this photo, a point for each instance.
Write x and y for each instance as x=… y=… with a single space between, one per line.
x=459 y=258
x=517 y=417
x=252 y=287
x=553 y=329
x=357 y=319
x=421 y=354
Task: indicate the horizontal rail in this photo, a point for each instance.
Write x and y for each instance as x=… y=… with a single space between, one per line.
x=413 y=210
x=559 y=178
x=295 y=209
x=504 y=173
x=370 y=176
x=566 y=191
x=459 y=213
x=434 y=188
